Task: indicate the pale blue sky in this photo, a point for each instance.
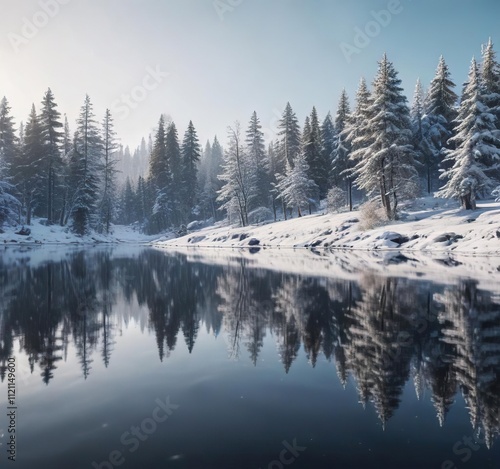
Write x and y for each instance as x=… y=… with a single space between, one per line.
x=223 y=64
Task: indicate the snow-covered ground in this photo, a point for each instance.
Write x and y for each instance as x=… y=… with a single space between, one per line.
x=55 y=234
x=428 y=225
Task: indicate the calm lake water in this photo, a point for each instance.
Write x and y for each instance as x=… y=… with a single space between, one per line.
x=145 y=359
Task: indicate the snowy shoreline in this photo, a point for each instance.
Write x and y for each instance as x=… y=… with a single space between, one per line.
x=428 y=227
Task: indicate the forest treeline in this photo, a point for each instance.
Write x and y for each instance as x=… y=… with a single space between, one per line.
x=380 y=148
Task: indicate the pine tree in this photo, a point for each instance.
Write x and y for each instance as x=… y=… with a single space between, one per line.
x=421 y=145
x=64 y=175
x=289 y=136
x=213 y=184
x=490 y=89
x=341 y=162
x=160 y=179
x=386 y=166
x=86 y=170
x=8 y=161
x=356 y=134
x=191 y=154
x=311 y=147
x=475 y=144
x=297 y=188
x=51 y=125
x=328 y=141
x=174 y=157
x=8 y=140
x=438 y=122
x=29 y=180
x=490 y=79
x=257 y=152
x=109 y=148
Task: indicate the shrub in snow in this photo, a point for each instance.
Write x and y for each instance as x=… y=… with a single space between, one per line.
x=260 y=215
x=335 y=200
x=372 y=215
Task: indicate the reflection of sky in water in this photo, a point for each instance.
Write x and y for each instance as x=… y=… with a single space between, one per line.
x=234 y=413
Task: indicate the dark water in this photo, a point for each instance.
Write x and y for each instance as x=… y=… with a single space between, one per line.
x=147 y=360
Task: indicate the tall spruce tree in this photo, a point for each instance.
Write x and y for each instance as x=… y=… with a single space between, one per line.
x=257 y=153
x=311 y=147
x=9 y=152
x=289 y=136
x=191 y=154
x=50 y=120
x=109 y=173
x=438 y=122
x=341 y=162
x=475 y=145
x=160 y=180
x=356 y=134
x=386 y=166
x=85 y=170
x=29 y=177
x=174 y=157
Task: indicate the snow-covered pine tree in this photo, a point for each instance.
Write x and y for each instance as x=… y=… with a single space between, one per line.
x=342 y=164
x=214 y=161
x=238 y=177
x=475 y=143
x=438 y=122
x=421 y=144
x=160 y=180
x=490 y=78
x=311 y=147
x=289 y=135
x=29 y=170
x=356 y=134
x=386 y=166
x=86 y=170
x=108 y=198
x=8 y=161
x=191 y=154
x=52 y=126
x=174 y=157
x=490 y=88
x=297 y=188
x=328 y=140
x=257 y=152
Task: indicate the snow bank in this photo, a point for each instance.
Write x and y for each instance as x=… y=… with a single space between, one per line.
x=429 y=229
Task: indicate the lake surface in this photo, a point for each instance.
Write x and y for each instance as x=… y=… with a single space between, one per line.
x=140 y=358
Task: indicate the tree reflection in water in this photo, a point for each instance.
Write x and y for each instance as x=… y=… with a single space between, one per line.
x=381 y=331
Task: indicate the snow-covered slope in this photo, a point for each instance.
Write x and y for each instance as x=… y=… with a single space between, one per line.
x=424 y=228
x=55 y=234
